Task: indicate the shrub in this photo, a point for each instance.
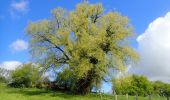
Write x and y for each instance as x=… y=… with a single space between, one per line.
x=26 y=75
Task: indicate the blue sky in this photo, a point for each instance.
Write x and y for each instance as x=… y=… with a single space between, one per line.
x=15 y=15
x=140 y=13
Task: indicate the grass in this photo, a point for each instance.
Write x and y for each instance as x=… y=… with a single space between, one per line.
x=7 y=93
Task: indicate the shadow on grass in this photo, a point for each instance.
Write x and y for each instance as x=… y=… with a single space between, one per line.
x=40 y=92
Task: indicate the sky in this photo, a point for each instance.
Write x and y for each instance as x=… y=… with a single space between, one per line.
x=150 y=18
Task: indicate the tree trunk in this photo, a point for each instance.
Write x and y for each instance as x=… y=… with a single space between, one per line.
x=84 y=84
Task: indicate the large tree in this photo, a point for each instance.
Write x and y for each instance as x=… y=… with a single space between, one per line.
x=84 y=43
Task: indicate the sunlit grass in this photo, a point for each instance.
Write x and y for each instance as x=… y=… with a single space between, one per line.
x=7 y=93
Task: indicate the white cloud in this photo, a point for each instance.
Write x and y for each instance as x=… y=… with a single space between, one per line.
x=18 y=8
x=10 y=65
x=19 y=45
x=154 y=50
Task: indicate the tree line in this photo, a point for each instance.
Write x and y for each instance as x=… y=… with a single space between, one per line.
x=31 y=76
x=140 y=85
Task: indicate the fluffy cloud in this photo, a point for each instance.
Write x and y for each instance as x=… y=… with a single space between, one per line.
x=10 y=65
x=154 y=50
x=18 y=8
x=19 y=45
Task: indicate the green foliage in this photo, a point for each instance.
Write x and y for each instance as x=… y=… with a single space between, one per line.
x=86 y=42
x=167 y=91
x=4 y=75
x=121 y=85
x=133 y=85
x=26 y=75
x=158 y=87
x=2 y=79
x=143 y=85
x=161 y=89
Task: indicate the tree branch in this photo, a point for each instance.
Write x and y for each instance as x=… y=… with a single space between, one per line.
x=48 y=40
x=95 y=17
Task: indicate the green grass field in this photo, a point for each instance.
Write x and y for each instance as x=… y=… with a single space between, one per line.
x=37 y=94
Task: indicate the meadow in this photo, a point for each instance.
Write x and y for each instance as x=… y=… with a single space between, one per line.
x=8 y=93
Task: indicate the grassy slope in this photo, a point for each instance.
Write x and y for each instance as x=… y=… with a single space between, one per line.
x=36 y=94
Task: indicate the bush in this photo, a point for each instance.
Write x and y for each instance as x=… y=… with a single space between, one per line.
x=2 y=79
x=26 y=75
x=133 y=85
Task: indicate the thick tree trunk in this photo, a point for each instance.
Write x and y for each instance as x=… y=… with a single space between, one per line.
x=84 y=87
x=84 y=84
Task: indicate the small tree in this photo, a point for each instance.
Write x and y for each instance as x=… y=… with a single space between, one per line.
x=167 y=91
x=122 y=85
x=159 y=88
x=144 y=86
x=133 y=85
x=26 y=75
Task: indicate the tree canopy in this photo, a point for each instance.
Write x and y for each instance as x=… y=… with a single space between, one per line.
x=84 y=43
